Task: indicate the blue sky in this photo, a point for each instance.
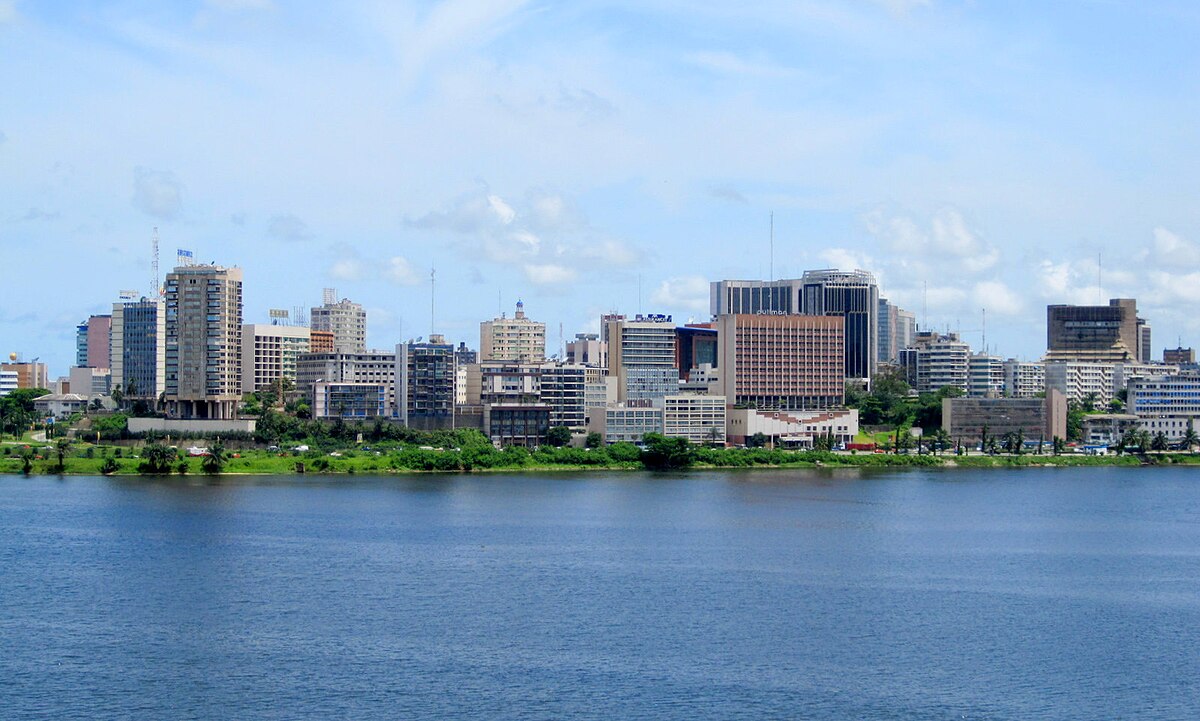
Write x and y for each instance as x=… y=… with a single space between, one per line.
x=570 y=154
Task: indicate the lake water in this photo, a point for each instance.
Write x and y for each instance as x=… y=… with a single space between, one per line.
x=948 y=594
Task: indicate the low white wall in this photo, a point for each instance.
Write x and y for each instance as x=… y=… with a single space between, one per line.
x=164 y=425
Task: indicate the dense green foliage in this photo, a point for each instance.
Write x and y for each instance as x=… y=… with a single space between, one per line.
x=16 y=410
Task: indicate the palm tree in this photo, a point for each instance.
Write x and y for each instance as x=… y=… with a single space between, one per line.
x=1160 y=442
x=214 y=462
x=1189 y=437
x=61 y=446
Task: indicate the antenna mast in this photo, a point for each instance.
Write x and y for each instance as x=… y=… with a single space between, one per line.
x=432 y=295
x=772 y=278
x=984 y=311
x=156 y=288
x=925 y=304
x=1099 y=278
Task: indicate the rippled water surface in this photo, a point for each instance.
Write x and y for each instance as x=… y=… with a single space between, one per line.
x=1029 y=594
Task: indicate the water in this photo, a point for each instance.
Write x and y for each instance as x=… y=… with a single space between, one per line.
x=1048 y=594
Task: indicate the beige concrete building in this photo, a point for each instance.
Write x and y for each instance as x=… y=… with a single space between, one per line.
x=346 y=320
x=781 y=361
x=269 y=352
x=204 y=342
x=698 y=418
x=516 y=339
x=29 y=375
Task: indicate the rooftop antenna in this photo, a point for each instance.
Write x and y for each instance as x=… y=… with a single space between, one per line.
x=329 y=296
x=562 y=352
x=925 y=304
x=156 y=288
x=772 y=275
x=984 y=312
x=432 y=295
x=1099 y=278
x=639 y=293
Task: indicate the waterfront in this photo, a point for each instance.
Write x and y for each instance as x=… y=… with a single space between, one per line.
x=917 y=594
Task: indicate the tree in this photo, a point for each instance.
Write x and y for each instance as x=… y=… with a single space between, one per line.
x=27 y=461
x=1059 y=445
x=1089 y=402
x=61 y=446
x=558 y=436
x=118 y=396
x=941 y=440
x=1019 y=441
x=1189 y=436
x=214 y=462
x=665 y=453
x=758 y=440
x=594 y=440
x=983 y=438
x=1160 y=442
x=157 y=458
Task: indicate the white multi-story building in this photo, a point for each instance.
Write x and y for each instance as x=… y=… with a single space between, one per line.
x=1024 y=379
x=269 y=353
x=629 y=424
x=347 y=321
x=8 y=382
x=698 y=418
x=375 y=367
x=985 y=376
x=791 y=428
x=936 y=362
x=1099 y=381
x=1166 y=404
x=517 y=339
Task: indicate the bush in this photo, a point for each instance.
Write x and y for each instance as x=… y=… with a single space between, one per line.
x=109 y=466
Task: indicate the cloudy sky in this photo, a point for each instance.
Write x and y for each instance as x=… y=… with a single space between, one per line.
x=587 y=156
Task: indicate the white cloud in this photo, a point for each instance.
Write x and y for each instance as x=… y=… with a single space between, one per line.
x=844 y=259
x=1172 y=252
x=8 y=11
x=157 y=193
x=288 y=227
x=998 y=298
x=728 y=63
x=347 y=269
x=504 y=212
x=902 y=8
x=399 y=270
x=548 y=274
x=690 y=292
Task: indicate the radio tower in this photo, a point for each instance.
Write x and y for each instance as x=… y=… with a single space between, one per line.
x=156 y=289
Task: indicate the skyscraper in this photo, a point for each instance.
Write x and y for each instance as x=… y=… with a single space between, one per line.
x=853 y=295
x=139 y=348
x=781 y=362
x=641 y=355
x=204 y=342
x=1094 y=333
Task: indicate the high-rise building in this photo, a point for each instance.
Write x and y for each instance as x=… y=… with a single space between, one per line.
x=985 y=376
x=139 y=348
x=1166 y=404
x=1024 y=379
x=936 y=361
x=905 y=332
x=29 y=375
x=695 y=346
x=1094 y=333
x=1179 y=356
x=345 y=319
x=897 y=330
x=1145 y=344
x=563 y=389
x=781 y=361
x=853 y=295
x=376 y=367
x=641 y=356
x=512 y=339
x=92 y=342
x=204 y=342
x=425 y=383
x=269 y=354
x=731 y=297
x=696 y=417
x=587 y=349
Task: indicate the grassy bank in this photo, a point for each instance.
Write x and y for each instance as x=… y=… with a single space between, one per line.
x=87 y=459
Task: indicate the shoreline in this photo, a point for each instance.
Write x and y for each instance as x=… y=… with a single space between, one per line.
x=274 y=466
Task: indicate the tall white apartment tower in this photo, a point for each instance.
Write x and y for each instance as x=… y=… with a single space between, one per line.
x=512 y=339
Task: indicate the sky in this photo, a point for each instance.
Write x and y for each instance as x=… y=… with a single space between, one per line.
x=592 y=156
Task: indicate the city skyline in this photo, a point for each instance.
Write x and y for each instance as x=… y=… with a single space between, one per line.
x=562 y=156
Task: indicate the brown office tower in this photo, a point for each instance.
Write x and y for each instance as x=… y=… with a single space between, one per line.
x=787 y=362
x=1094 y=333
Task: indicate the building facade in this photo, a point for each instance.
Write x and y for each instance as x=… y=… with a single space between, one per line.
x=854 y=296
x=626 y=423
x=425 y=376
x=985 y=376
x=1094 y=333
x=516 y=339
x=346 y=320
x=1165 y=404
x=203 y=342
x=587 y=349
x=270 y=353
x=1024 y=379
x=375 y=367
x=791 y=429
x=698 y=418
x=964 y=419
x=350 y=401
x=139 y=348
x=641 y=356
x=788 y=362
x=29 y=375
